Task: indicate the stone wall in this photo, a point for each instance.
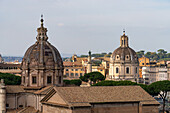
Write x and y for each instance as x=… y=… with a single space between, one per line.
x=116 y=108
x=149 y=109
x=53 y=109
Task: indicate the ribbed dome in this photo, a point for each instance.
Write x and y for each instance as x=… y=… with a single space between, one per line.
x=42 y=64
x=42 y=53
x=124 y=52
x=48 y=54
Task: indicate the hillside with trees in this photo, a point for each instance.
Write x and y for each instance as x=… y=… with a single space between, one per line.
x=161 y=54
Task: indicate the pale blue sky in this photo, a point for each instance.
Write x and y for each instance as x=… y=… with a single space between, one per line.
x=77 y=26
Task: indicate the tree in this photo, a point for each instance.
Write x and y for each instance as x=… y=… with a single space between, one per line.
x=120 y=83
x=140 y=53
x=10 y=79
x=162 y=53
x=161 y=88
x=93 y=76
x=115 y=83
x=76 y=82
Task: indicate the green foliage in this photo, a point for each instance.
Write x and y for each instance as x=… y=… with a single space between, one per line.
x=156 y=87
x=84 y=56
x=120 y=83
x=161 y=88
x=140 y=53
x=161 y=54
x=76 y=82
x=114 y=83
x=10 y=79
x=98 y=55
x=93 y=76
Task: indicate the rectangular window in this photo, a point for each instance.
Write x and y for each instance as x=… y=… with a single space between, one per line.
x=66 y=69
x=80 y=74
x=49 y=79
x=34 y=81
x=76 y=69
x=23 y=79
x=67 y=74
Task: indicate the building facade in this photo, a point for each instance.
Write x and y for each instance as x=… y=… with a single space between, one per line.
x=154 y=73
x=124 y=62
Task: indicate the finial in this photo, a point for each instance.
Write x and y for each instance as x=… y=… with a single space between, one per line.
x=123 y=31
x=42 y=20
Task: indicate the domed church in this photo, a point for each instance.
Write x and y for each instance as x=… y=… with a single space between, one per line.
x=42 y=64
x=124 y=62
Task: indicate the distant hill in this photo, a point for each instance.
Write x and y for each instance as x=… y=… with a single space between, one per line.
x=15 y=58
x=12 y=58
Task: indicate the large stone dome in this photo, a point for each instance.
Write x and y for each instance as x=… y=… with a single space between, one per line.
x=124 y=62
x=124 y=52
x=42 y=64
x=44 y=53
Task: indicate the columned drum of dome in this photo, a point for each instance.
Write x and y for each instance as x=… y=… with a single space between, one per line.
x=42 y=64
x=124 y=62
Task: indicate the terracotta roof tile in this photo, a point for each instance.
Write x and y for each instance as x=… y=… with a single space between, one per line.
x=104 y=94
x=44 y=90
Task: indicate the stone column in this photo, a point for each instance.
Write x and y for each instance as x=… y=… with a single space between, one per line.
x=2 y=97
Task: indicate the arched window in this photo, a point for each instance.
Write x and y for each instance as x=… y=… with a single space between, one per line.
x=127 y=70
x=117 y=70
x=124 y=42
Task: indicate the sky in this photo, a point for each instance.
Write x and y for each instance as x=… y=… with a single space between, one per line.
x=77 y=26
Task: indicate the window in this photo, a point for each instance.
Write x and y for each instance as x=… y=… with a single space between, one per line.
x=101 y=70
x=23 y=79
x=127 y=70
x=124 y=42
x=142 y=63
x=67 y=74
x=72 y=74
x=59 y=79
x=76 y=74
x=66 y=69
x=80 y=74
x=34 y=80
x=49 y=79
x=117 y=70
x=71 y=69
x=117 y=56
x=76 y=69
x=136 y=70
x=20 y=106
x=7 y=105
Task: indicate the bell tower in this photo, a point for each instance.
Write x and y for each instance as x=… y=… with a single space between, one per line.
x=124 y=40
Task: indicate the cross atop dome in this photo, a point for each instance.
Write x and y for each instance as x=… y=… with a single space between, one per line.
x=123 y=31
x=42 y=20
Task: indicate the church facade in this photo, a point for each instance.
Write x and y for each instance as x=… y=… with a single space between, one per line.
x=124 y=62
